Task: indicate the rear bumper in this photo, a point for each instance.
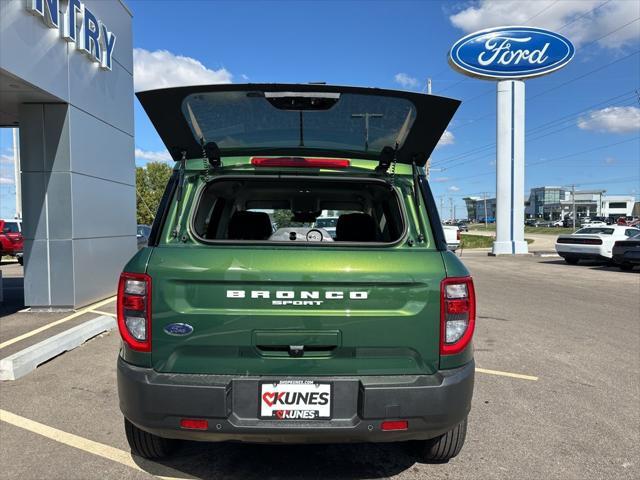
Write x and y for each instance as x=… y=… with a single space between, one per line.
x=596 y=252
x=585 y=256
x=626 y=256
x=432 y=404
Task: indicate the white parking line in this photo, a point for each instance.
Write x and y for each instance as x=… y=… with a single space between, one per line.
x=100 y=312
x=507 y=374
x=89 y=446
x=31 y=333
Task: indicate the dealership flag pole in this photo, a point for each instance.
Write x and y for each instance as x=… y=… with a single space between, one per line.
x=16 y=173
x=510 y=169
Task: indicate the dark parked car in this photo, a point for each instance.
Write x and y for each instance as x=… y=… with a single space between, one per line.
x=626 y=253
x=143 y=235
x=462 y=226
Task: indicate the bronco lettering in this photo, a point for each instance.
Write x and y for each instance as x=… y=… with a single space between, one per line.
x=288 y=297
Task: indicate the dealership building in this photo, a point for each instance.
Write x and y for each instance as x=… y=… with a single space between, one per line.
x=66 y=82
x=556 y=203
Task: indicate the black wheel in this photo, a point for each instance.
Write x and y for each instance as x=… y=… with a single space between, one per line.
x=571 y=260
x=147 y=445
x=627 y=267
x=443 y=448
x=20 y=260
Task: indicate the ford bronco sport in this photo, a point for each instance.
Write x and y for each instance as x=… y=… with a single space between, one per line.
x=245 y=320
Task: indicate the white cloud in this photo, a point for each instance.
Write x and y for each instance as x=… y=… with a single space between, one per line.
x=554 y=15
x=6 y=158
x=406 y=81
x=612 y=120
x=447 y=138
x=6 y=180
x=163 y=69
x=151 y=156
x=439 y=179
x=453 y=188
x=609 y=161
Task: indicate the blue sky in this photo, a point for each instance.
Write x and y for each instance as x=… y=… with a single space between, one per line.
x=583 y=122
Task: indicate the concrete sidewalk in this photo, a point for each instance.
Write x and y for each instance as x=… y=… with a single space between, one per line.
x=28 y=339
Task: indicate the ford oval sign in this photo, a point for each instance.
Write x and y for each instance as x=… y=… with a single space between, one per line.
x=178 y=329
x=511 y=52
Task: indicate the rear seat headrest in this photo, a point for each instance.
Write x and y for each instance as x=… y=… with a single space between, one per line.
x=356 y=227
x=249 y=226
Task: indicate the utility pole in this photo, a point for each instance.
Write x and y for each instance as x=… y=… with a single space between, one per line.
x=485 y=210
x=442 y=205
x=429 y=86
x=366 y=117
x=451 y=208
x=573 y=204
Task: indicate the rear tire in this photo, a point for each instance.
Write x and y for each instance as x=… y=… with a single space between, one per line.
x=145 y=444
x=627 y=267
x=571 y=260
x=443 y=448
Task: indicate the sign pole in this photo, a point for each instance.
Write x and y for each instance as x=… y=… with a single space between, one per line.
x=510 y=169
x=510 y=54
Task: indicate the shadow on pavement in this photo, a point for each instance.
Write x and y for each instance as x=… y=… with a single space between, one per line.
x=13 y=295
x=593 y=265
x=251 y=461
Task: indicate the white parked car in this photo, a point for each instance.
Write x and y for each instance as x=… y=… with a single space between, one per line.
x=452 y=236
x=328 y=224
x=594 y=223
x=592 y=243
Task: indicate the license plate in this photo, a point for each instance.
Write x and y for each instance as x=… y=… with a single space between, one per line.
x=295 y=400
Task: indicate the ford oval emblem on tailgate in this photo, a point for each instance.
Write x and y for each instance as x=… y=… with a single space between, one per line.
x=178 y=329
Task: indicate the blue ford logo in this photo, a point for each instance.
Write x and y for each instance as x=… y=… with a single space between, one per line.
x=511 y=52
x=178 y=329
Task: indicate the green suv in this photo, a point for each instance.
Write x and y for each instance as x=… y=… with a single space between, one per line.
x=245 y=320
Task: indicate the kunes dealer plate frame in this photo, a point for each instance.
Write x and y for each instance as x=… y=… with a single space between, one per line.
x=276 y=383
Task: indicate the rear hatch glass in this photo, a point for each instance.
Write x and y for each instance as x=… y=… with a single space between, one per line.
x=298 y=120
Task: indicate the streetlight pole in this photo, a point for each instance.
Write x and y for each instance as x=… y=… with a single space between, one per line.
x=485 y=210
x=573 y=204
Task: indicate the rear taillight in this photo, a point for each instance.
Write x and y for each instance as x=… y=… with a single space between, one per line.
x=457 y=314
x=134 y=310
x=300 y=162
x=458 y=234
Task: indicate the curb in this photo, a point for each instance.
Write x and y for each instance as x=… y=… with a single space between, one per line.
x=25 y=361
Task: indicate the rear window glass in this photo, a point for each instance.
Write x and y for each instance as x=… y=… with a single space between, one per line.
x=298 y=211
x=596 y=230
x=336 y=121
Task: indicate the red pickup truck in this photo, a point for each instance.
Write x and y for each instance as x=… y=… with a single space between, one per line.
x=11 y=240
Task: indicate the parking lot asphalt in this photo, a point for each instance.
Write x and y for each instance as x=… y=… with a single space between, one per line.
x=574 y=328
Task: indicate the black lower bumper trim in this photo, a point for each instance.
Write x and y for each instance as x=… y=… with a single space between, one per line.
x=433 y=404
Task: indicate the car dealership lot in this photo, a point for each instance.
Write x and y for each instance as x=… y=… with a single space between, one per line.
x=574 y=328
